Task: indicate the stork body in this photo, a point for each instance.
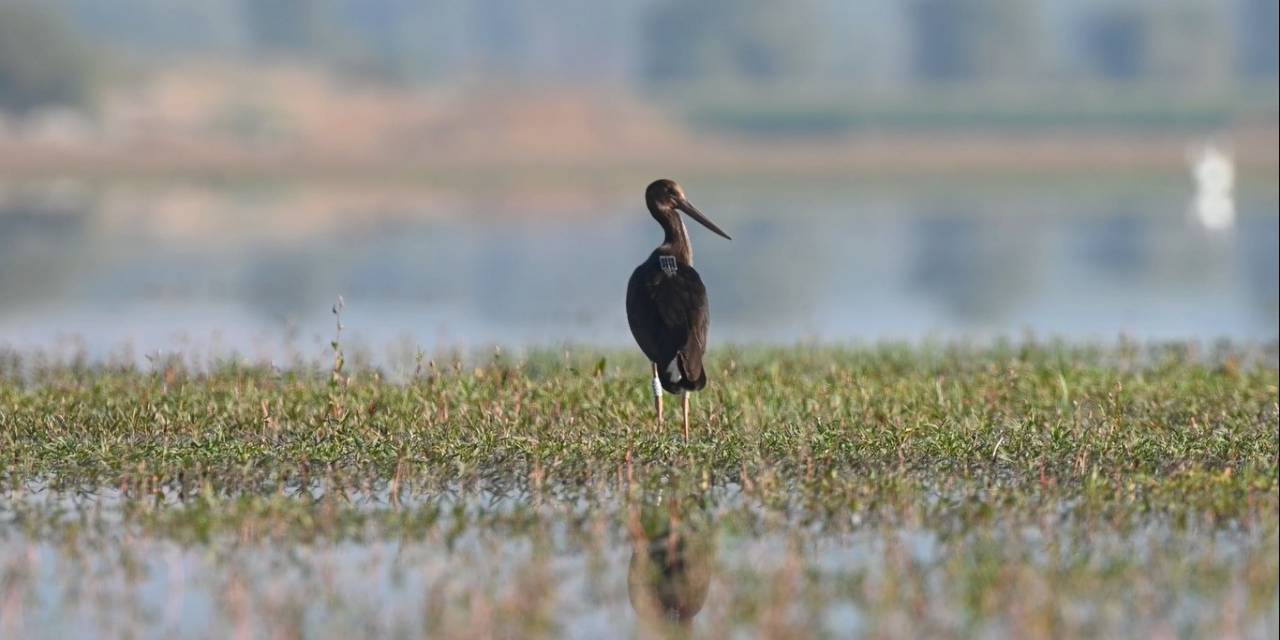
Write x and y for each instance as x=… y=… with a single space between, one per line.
x=667 y=303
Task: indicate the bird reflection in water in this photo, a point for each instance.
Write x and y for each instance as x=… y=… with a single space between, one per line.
x=671 y=558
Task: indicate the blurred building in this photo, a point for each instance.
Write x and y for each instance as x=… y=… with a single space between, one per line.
x=1175 y=43
x=974 y=40
x=1257 y=43
x=1157 y=41
x=750 y=66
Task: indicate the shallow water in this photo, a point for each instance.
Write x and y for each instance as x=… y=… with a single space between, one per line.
x=572 y=572
x=256 y=268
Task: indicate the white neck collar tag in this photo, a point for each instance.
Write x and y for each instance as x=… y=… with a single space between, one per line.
x=668 y=264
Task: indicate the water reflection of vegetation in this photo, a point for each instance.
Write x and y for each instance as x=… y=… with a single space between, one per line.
x=35 y=266
x=848 y=264
x=977 y=268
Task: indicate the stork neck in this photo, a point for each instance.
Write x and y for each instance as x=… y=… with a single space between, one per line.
x=676 y=239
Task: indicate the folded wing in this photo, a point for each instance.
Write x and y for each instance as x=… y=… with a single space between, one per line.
x=669 y=315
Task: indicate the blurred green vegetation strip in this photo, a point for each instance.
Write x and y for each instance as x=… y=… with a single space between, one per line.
x=817 y=119
x=821 y=433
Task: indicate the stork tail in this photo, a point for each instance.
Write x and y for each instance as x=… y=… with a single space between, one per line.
x=675 y=377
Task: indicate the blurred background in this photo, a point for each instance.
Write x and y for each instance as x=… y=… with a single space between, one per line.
x=212 y=174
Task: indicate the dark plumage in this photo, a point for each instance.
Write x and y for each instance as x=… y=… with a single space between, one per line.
x=672 y=552
x=670 y=574
x=666 y=300
x=669 y=316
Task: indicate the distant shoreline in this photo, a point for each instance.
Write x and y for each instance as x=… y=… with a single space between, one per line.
x=871 y=155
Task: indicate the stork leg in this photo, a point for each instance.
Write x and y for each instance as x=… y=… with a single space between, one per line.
x=684 y=397
x=657 y=393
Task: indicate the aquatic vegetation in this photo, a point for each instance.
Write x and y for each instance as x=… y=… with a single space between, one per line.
x=1013 y=489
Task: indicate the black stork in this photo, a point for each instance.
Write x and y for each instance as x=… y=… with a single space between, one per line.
x=667 y=302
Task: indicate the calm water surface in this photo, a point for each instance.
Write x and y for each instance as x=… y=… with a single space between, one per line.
x=575 y=573
x=254 y=267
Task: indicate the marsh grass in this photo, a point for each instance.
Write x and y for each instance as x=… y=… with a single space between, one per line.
x=1017 y=489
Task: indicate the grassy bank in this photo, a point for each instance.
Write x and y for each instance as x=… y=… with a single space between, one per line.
x=1017 y=489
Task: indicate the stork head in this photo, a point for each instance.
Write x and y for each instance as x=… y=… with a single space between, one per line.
x=666 y=197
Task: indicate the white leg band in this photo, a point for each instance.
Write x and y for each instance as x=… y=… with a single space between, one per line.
x=657 y=388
